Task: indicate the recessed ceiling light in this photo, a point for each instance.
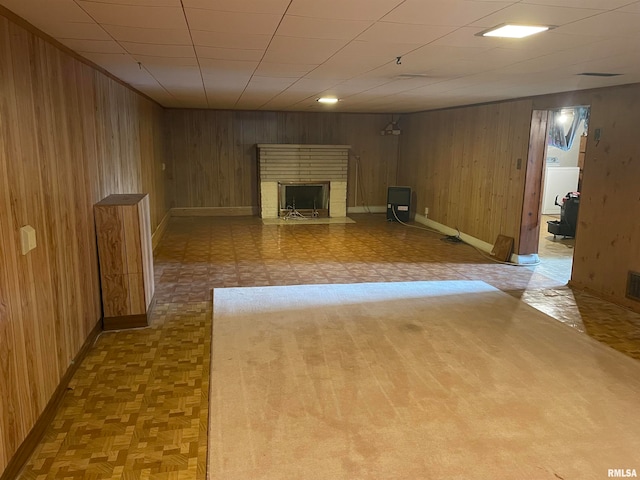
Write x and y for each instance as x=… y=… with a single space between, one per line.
x=514 y=31
x=328 y=100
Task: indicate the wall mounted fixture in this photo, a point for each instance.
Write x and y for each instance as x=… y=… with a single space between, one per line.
x=391 y=129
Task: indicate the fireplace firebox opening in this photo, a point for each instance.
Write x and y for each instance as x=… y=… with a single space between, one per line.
x=306 y=199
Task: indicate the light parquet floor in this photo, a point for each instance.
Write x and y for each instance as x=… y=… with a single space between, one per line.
x=137 y=407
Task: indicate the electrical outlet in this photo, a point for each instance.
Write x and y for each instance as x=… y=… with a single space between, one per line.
x=597 y=134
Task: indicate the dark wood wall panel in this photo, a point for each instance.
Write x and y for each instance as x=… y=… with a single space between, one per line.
x=69 y=136
x=213 y=155
x=462 y=164
x=608 y=234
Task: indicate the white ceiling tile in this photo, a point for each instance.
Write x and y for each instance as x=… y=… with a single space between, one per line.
x=229 y=54
x=77 y=30
x=208 y=65
x=44 y=12
x=329 y=71
x=167 y=62
x=397 y=86
x=431 y=57
x=269 y=84
x=615 y=64
x=343 y=9
x=633 y=8
x=535 y=14
x=354 y=85
x=172 y=79
x=252 y=100
x=141 y=3
x=243 y=6
x=279 y=103
x=226 y=89
x=606 y=24
x=135 y=16
x=245 y=41
x=595 y=4
x=301 y=50
x=232 y=22
x=222 y=101
x=148 y=49
x=404 y=32
x=111 y=61
x=443 y=12
x=467 y=37
x=306 y=27
x=226 y=81
x=161 y=36
x=551 y=42
x=187 y=93
x=267 y=69
x=499 y=57
x=136 y=77
x=310 y=86
x=378 y=53
x=93 y=46
x=432 y=72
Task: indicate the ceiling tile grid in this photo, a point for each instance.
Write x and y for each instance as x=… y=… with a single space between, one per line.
x=375 y=55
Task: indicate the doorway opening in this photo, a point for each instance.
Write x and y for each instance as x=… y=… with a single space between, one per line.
x=561 y=186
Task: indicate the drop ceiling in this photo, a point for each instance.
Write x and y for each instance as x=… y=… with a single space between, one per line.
x=284 y=54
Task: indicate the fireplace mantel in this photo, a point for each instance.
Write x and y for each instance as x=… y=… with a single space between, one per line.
x=280 y=163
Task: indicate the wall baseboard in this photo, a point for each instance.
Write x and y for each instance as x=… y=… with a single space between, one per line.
x=528 y=259
x=363 y=209
x=214 y=211
x=162 y=228
x=476 y=242
x=28 y=446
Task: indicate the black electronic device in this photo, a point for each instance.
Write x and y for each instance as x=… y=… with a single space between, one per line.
x=398 y=203
x=568 y=222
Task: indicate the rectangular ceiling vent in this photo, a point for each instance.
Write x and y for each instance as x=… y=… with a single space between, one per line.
x=633 y=286
x=406 y=76
x=599 y=74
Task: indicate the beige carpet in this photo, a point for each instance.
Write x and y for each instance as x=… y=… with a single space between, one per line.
x=416 y=380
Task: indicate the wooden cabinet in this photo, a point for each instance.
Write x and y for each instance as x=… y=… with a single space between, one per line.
x=126 y=260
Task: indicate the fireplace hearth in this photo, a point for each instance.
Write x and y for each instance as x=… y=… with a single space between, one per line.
x=303 y=180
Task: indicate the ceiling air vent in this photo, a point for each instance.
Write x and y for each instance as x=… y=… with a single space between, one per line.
x=599 y=74
x=406 y=76
x=633 y=286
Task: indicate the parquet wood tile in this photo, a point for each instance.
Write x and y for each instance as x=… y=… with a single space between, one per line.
x=137 y=407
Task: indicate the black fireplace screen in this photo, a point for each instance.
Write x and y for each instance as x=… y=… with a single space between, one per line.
x=304 y=197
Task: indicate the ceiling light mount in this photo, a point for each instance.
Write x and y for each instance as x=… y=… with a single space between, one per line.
x=511 y=30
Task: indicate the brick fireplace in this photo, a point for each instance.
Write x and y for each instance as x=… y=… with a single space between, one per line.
x=314 y=176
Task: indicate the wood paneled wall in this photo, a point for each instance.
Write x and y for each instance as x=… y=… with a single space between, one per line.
x=69 y=136
x=462 y=164
x=608 y=234
x=213 y=153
